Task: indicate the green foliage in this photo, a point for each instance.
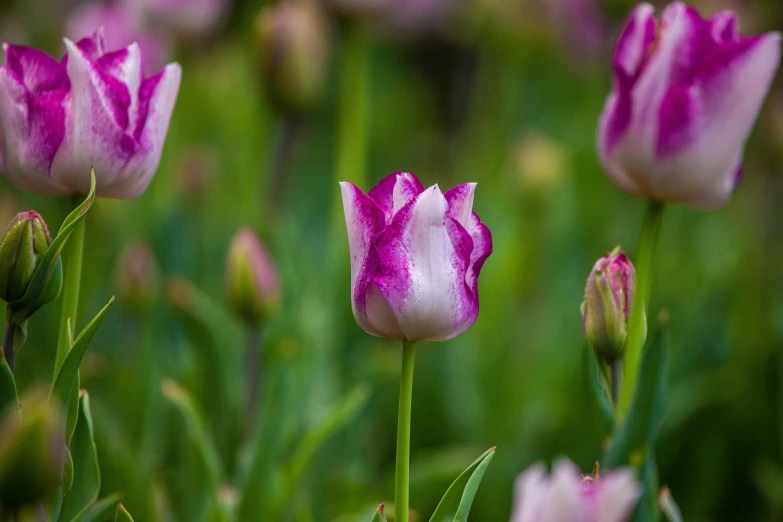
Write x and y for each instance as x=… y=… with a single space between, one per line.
x=456 y=503
x=86 y=472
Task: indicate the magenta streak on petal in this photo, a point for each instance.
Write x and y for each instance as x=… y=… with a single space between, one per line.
x=393 y=272
x=368 y=222
x=407 y=186
x=113 y=90
x=460 y=200
x=39 y=72
x=93 y=46
x=738 y=176
x=146 y=91
x=724 y=27
x=677 y=120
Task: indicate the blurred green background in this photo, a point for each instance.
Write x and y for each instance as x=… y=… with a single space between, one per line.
x=506 y=93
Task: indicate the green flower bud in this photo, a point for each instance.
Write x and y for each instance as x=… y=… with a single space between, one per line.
x=32 y=453
x=607 y=306
x=137 y=278
x=23 y=245
x=252 y=282
x=293 y=44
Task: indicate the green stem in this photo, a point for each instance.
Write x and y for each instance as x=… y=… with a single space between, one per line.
x=72 y=265
x=8 y=345
x=638 y=325
x=401 y=493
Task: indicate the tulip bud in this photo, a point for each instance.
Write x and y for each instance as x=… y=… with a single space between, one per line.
x=293 y=43
x=32 y=453
x=23 y=245
x=252 y=283
x=607 y=306
x=137 y=278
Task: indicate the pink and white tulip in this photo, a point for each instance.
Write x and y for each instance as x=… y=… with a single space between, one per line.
x=416 y=255
x=686 y=94
x=92 y=108
x=565 y=496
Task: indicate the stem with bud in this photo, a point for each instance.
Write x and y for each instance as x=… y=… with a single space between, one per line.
x=637 y=325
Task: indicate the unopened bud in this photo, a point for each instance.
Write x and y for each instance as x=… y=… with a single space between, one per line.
x=252 y=282
x=608 y=299
x=138 y=277
x=23 y=245
x=293 y=41
x=32 y=453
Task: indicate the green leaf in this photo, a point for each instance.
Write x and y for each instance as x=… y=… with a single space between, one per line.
x=340 y=415
x=378 y=516
x=455 y=504
x=8 y=395
x=595 y=385
x=647 y=509
x=67 y=375
x=50 y=265
x=634 y=439
x=86 y=473
x=100 y=511
x=67 y=471
x=122 y=514
x=197 y=432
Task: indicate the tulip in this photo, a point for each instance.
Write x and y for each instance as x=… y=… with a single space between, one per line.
x=252 y=283
x=25 y=241
x=137 y=277
x=686 y=94
x=32 y=453
x=565 y=496
x=607 y=306
x=123 y=24
x=189 y=18
x=416 y=255
x=94 y=107
x=293 y=43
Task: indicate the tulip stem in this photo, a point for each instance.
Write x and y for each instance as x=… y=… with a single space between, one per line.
x=614 y=379
x=253 y=355
x=72 y=266
x=401 y=486
x=8 y=345
x=638 y=325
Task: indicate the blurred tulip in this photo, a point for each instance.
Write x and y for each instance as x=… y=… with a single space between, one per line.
x=32 y=453
x=686 y=94
x=416 y=255
x=293 y=42
x=606 y=309
x=252 y=282
x=138 y=278
x=565 y=496
x=122 y=25
x=192 y=19
x=25 y=241
x=92 y=108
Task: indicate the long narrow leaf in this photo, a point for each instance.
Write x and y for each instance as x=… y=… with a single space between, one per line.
x=8 y=395
x=86 y=473
x=456 y=503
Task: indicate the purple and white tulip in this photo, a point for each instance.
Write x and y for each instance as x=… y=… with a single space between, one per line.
x=92 y=108
x=686 y=94
x=416 y=255
x=566 y=496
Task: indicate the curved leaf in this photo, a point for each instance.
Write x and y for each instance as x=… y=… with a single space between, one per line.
x=86 y=473
x=456 y=503
x=378 y=516
x=122 y=514
x=8 y=395
x=100 y=511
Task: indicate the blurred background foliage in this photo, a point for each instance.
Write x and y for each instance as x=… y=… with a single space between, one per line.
x=503 y=92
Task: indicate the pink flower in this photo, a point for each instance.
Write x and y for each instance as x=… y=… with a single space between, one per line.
x=416 y=255
x=92 y=108
x=685 y=96
x=565 y=496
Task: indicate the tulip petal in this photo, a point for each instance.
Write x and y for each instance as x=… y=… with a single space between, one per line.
x=724 y=103
x=615 y=496
x=156 y=100
x=36 y=70
x=364 y=221
x=527 y=488
x=31 y=130
x=424 y=257
x=460 y=200
x=395 y=191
